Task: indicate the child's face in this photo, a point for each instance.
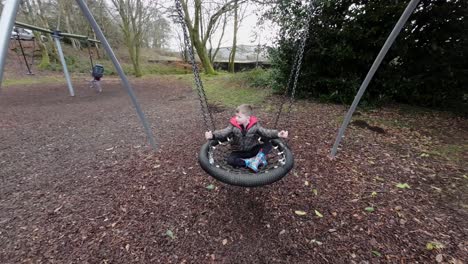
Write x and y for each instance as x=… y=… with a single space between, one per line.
x=242 y=119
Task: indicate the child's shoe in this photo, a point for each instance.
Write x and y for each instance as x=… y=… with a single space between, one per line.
x=252 y=163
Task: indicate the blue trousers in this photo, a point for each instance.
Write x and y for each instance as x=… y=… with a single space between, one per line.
x=236 y=158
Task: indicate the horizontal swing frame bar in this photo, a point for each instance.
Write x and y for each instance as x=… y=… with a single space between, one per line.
x=48 y=31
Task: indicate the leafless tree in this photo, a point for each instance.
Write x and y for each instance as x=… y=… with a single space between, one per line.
x=200 y=32
x=213 y=51
x=133 y=16
x=239 y=15
x=33 y=13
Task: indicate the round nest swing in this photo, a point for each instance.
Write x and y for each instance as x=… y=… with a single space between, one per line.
x=214 y=153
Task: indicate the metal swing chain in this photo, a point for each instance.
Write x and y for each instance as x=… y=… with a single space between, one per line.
x=90 y=55
x=207 y=115
x=296 y=69
x=33 y=52
x=286 y=92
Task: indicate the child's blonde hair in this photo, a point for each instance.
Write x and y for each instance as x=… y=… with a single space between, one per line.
x=245 y=109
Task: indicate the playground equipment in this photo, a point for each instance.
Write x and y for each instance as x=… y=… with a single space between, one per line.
x=378 y=60
x=212 y=160
x=57 y=36
x=19 y=35
x=97 y=73
x=6 y=24
x=226 y=174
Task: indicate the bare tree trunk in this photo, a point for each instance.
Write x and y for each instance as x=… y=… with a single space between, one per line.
x=60 y=12
x=203 y=55
x=182 y=48
x=232 y=54
x=101 y=8
x=75 y=43
x=134 y=15
x=43 y=22
x=213 y=55
x=138 y=72
x=31 y=17
x=258 y=54
x=96 y=45
x=199 y=34
x=239 y=15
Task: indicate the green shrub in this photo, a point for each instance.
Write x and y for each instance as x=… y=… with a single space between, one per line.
x=426 y=66
x=70 y=60
x=260 y=78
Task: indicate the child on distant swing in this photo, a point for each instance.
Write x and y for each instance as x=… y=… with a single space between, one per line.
x=97 y=73
x=245 y=132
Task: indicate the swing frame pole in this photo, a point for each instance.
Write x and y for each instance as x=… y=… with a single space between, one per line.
x=126 y=84
x=7 y=20
x=56 y=37
x=378 y=60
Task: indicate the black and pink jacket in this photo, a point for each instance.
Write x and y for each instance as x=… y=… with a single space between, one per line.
x=244 y=139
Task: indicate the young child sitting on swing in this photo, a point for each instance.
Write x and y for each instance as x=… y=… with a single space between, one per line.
x=97 y=73
x=245 y=130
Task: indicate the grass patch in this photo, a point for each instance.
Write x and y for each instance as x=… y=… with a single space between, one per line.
x=381 y=121
x=254 y=78
x=77 y=69
x=375 y=121
x=396 y=123
x=414 y=110
x=162 y=69
x=451 y=152
x=33 y=80
x=227 y=89
x=79 y=65
x=231 y=92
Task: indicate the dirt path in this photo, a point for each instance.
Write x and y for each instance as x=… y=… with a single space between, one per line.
x=79 y=185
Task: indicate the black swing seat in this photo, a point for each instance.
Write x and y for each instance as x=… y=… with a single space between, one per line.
x=212 y=159
x=98 y=71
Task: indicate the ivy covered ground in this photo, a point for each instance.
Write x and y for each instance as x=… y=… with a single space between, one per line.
x=79 y=184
